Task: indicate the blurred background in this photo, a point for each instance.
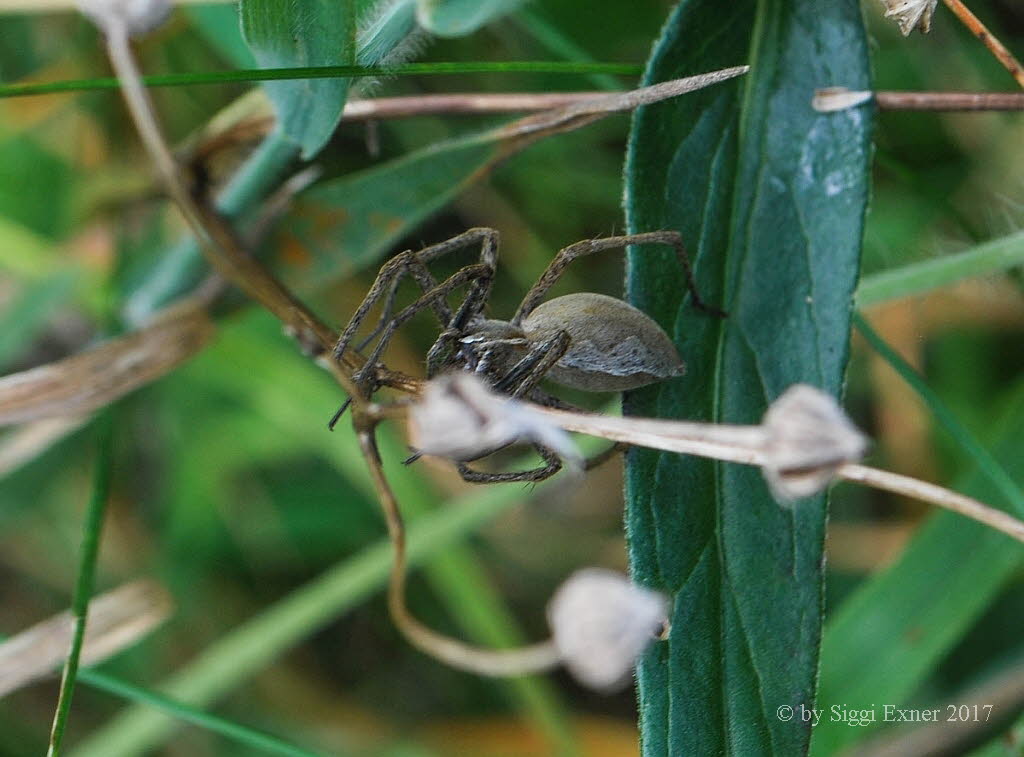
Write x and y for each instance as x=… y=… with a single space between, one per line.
x=230 y=491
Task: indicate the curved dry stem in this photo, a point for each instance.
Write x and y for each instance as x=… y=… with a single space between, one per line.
x=534 y=658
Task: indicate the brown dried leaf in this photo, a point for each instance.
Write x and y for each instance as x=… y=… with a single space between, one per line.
x=79 y=384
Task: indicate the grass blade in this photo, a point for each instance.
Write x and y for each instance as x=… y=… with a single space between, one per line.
x=990 y=257
x=325 y=72
x=86 y=575
x=241 y=734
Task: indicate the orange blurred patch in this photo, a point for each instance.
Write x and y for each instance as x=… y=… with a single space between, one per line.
x=505 y=737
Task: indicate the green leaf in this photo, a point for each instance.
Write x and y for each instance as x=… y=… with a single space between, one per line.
x=989 y=257
x=347 y=223
x=303 y=33
x=770 y=197
x=455 y=18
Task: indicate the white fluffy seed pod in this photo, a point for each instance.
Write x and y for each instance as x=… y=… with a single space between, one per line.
x=808 y=438
x=135 y=16
x=911 y=14
x=460 y=418
x=601 y=622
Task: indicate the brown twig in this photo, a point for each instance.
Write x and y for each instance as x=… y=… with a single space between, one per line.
x=831 y=99
x=493 y=662
x=978 y=29
x=950 y=101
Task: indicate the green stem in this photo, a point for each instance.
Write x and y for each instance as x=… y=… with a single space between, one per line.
x=986 y=463
x=86 y=576
x=325 y=72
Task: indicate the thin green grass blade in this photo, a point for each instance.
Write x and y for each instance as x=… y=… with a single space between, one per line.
x=237 y=732
x=325 y=72
x=91 y=530
x=990 y=257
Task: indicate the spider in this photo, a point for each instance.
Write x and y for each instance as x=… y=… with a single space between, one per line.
x=585 y=341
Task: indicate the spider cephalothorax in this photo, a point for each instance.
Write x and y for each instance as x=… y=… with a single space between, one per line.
x=583 y=341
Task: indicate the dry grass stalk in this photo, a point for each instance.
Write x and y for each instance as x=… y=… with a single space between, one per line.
x=80 y=384
x=117 y=620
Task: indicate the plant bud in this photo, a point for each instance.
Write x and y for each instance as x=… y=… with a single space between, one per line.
x=136 y=16
x=460 y=418
x=808 y=437
x=831 y=99
x=601 y=622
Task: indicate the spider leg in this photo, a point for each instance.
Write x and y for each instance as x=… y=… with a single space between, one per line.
x=552 y=464
x=589 y=246
x=471 y=273
x=414 y=263
x=530 y=369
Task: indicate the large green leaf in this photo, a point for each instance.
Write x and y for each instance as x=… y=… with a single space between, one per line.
x=770 y=196
x=303 y=33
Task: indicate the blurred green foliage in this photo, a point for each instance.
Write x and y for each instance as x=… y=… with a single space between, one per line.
x=229 y=489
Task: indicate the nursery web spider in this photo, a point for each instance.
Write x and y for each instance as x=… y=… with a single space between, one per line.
x=585 y=341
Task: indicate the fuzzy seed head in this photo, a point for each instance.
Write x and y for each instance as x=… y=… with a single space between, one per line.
x=601 y=622
x=911 y=14
x=459 y=417
x=808 y=438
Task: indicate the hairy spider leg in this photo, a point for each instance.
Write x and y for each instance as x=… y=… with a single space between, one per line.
x=390 y=276
x=470 y=273
x=520 y=379
x=416 y=265
x=552 y=465
x=568 y=254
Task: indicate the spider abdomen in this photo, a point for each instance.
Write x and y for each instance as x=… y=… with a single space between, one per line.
x=614 y=346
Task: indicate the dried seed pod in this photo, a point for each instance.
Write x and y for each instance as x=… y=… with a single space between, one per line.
x=460 y=418
x=601 y=622
x=136 y=16
x=808 y=437
x=911 y=14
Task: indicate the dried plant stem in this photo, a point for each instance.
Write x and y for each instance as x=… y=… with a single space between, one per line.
x=950 y=101
x=469 y=103
x=744 y=444
x=534 y=658
x=936 y=495
x=978 y=29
